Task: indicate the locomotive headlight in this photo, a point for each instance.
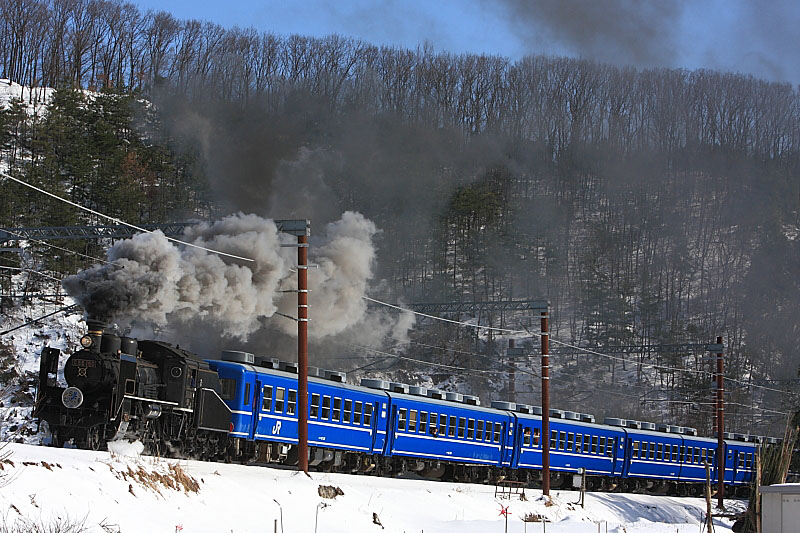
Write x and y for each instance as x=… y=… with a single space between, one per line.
x=86 y=341
x=72 y=397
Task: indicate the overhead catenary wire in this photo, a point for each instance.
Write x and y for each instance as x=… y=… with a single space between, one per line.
x=568 y=345
x=122 y=222
x=4 y=267
x=64 y=309
x=384 y=355
x=45 y=243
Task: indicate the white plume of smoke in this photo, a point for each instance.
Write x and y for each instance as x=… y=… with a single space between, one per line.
x=344 y=258
x=160 y=283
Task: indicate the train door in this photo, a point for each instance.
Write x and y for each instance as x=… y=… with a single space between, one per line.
x=618 y=461
x=391 y=427
x=507 y=443
x=256 y=410
x=375 y=416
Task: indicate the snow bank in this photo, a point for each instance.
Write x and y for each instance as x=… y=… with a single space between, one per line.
x=45 y=485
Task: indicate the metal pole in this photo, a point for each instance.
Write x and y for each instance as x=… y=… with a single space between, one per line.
x=512 y=374
x=302 y=352
x=720 y=429
x=545 y=406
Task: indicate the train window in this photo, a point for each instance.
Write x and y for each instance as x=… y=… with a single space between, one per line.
x=635 y=452
x=442 y=425
x=660 y=452
x=570 y=441
x=578 y=442
x=610 y=448
x=434 y=421
x=675 y=452
x=594 y=443
x=291 y=401
x=696 y=458
x=337 y=409
x=601 y=447
x=741 y=460
x=553 y=440
x=314 y=406
x=562 y=440
x=471 y=429
x=479 y=431
x=348 y=411
x=266 y=402
x=451 y=432
x=488 y=434
x=280 y=396
x=357 y=413
x=423 y=422
x=247 y=394
x=326 y=407
x=401 y=420
x=462 y=424
x=227 y=388
x=703 y=456
x=412 y=421
x=652 y=450
x=587 y=443
x=367 y=414
x=498 y=429
x=526 y=437
x=536 y=435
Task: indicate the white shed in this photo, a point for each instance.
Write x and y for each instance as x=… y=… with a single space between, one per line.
x=780 y=508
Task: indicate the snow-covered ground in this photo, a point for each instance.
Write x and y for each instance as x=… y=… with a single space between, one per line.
x=128 y=493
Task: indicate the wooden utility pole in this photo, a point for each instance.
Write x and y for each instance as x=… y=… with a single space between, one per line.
x=302 y=352
x=545 y=405
x=720 y=428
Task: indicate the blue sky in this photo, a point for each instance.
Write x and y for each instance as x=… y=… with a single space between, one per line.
x=751 y=36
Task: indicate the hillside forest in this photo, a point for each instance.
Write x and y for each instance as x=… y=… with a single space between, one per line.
x=650 y=207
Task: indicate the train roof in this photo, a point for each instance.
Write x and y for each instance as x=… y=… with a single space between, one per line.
x=448 y=403
x=479 y=408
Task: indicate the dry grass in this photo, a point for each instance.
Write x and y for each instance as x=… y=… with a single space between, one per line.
x=174 y=478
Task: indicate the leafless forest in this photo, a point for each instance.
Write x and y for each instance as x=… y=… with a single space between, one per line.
x=649 y=206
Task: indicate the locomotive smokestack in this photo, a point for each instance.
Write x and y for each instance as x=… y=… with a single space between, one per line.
x=96 y=328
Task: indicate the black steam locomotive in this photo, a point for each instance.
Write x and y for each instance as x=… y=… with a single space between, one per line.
x=119 y=387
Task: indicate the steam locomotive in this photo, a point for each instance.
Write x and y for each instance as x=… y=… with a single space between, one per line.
x=119 y=387
x=244 y=409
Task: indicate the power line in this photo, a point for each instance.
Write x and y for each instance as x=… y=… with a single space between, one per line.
x=35 y=320
x=556 y=341
x=118 y=221
x=60 y=248
x=29 y=270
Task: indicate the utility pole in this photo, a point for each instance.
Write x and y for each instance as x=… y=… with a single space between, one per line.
x=720 y=426
x=545 y=405
x=302 y=351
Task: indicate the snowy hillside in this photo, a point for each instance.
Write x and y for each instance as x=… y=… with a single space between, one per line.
x=105 y=492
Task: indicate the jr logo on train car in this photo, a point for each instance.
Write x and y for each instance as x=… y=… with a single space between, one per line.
x=276 y=429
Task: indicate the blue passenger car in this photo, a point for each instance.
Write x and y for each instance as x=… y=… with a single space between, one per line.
x=697 y=453
x=264 y=404
x=653 y=455
x=740 y=462
x=432 y=429
x=573 y=445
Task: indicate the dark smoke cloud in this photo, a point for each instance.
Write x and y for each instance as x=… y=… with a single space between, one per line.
x=758 y=38
x=615 y=31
